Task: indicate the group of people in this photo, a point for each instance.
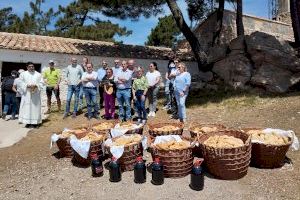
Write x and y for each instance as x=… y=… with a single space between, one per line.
x=125 y=82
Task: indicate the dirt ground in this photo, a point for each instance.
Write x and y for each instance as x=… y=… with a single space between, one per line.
x=29 y=170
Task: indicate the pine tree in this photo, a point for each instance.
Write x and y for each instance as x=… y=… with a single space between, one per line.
x=164 y=34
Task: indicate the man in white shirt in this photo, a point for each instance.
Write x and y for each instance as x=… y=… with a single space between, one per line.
x=90 y=84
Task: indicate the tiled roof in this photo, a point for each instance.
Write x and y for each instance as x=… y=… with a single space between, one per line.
x=37 y=43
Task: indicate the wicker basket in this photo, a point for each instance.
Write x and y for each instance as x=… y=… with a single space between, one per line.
x=96 y=147
x=64 y=147
x=194 y=134
x=176 y=163
x=135 y=131
x=197 y=151
x=104 y=130
x=268 y=156
x=128 y=159
x=154 y=133
x=229 y=163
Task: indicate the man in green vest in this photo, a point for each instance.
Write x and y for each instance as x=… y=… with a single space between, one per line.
x=52 y=78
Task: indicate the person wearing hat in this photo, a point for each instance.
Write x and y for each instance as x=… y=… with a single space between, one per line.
x=139 y=90
x=52 y=78
x=109 y=94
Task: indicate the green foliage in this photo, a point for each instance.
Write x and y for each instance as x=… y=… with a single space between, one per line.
x=164 y=34
x=199 y=9
x=78 y=20
x=7 y=18
x=41 y=19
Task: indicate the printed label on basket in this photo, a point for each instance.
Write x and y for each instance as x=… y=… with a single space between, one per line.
x=82 y=147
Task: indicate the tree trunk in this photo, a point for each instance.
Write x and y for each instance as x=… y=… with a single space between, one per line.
x=239 y=18
x=199 y=54
x=295 y=16
x=219 y=23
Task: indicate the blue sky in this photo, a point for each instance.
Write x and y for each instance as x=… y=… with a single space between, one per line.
x=141 y=28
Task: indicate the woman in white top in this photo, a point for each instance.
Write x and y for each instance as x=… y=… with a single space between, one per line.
x=153 y=76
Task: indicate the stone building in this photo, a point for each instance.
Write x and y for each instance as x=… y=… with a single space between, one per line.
x=204 y=31
x=18 y=49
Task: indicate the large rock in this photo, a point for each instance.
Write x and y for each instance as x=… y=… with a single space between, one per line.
x=234 y=70
x=273 y=78
x=216 y=53
x=237 y=46
x=264 y=48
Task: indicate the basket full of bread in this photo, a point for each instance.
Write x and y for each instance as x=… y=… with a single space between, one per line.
x=199 y=129
x=130 y=127
x=269 y=147
x=167 y=128
x=226 y=153
x=175 y=153
x=63 y=141
x=85 y=146
x=126 y=148
x=103 y=126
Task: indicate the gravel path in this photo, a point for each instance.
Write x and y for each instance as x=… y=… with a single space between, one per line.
x=29 y=170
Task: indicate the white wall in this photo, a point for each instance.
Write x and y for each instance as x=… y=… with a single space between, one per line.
x=62 y=60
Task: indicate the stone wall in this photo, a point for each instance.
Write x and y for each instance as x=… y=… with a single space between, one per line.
x=63 y=60
x=251 y=24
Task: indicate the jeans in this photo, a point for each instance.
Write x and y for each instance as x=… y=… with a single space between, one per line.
x=81 y=97
x=167 y=93
x=140 y=104
x=181 y=105
x=109 y=105
x=10 y=98
x=152 y=97
x=72 y=89
x=123 y=98
x=91 y=100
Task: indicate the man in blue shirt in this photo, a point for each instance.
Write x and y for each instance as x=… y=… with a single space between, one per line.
x=117 y=66
x=123 y=81
x=101 y=73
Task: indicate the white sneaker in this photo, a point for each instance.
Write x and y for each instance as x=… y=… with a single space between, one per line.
x=139 y=120
x=150 y=114
x=153 y=114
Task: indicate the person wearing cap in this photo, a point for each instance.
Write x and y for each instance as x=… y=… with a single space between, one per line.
x=52 y=78
x=16 y=89
x=9 y=95
x=139 y=89
x=101 y=73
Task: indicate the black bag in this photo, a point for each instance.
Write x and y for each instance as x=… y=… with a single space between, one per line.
x=7 y=84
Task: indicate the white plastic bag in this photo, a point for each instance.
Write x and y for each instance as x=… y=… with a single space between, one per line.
x=289 y=133
x=82 y=147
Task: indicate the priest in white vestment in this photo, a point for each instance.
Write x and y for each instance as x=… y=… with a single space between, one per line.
x=30 y=107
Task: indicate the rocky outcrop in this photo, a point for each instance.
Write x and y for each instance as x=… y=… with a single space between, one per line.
x=259 y=60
